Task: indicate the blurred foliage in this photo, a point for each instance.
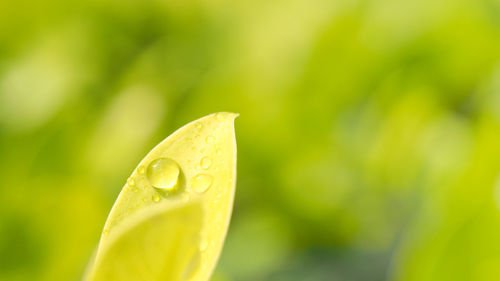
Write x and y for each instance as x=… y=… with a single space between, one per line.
x=369 y=136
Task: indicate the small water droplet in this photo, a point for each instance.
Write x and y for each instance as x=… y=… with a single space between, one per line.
x=219 y=116
x=209 y=139
x=141 y=170
x=205 y=162
x=218 y=151
x=105 y=231
x=198 y=125
x=131 y=181
x=163 y=173
x=156 y=198
x=201 y=183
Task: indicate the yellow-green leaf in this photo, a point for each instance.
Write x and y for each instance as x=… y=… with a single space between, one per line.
x=154 y=244
x=195 y=163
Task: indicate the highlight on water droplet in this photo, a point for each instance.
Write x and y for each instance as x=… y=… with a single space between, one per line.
x=201 y=183
x=205 y=162
x=163 y=173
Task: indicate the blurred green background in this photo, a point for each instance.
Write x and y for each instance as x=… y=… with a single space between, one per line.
x=369 y=135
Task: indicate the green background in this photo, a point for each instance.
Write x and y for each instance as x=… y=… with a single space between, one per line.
x=368 y=140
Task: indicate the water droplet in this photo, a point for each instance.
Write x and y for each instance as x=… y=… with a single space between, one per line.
x=141 y=170
x=163 y=173
x=156 y=198
x=219 y=116
x=105 y=231
x=198 y=125
x=218 y=151
x=209 y=139
x=205 y=162
x=201 y=182
x=131 y=181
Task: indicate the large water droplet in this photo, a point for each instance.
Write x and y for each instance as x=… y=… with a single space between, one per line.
x=205 y=162
x=163 y=173
x=201 y=183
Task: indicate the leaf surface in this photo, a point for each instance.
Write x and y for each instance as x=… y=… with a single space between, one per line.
x=196 y=165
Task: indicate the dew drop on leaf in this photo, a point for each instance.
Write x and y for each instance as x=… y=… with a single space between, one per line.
x=131 y=182
x=201 y=183
x=141 y=170
x=205 y=162
x=163 y=173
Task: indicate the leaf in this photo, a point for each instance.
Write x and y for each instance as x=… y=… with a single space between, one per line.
x=155 y=244
x=197 y=163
